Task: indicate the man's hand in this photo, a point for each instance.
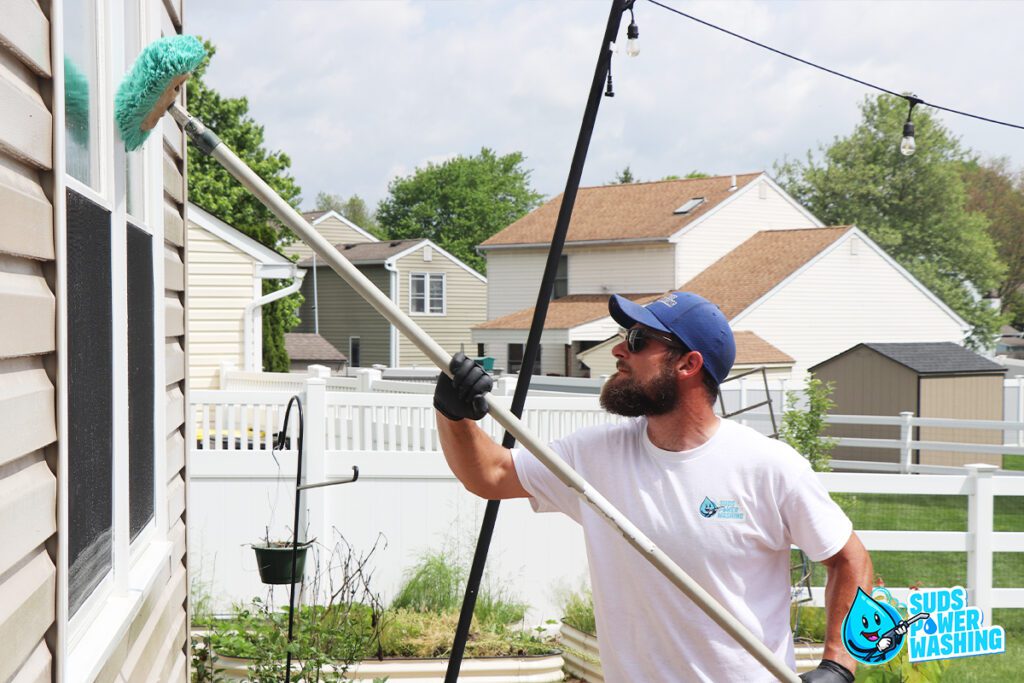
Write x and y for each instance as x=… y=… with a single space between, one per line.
x=462 y=395
x=828 y=672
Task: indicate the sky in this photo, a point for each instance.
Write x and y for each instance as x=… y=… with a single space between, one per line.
x=360 y=92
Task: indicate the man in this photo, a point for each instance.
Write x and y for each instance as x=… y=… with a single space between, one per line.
x=724 y=502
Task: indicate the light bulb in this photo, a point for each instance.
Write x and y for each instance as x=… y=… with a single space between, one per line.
x=908 y=145
x=632 y=44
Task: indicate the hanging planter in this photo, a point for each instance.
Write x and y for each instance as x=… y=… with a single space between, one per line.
x=274 y=560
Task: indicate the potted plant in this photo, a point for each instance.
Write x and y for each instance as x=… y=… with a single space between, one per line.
x=274 y=559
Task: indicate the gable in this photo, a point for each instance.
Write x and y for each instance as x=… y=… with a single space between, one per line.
x=335 y=228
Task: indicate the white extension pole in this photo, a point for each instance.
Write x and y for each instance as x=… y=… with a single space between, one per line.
x=387 y=308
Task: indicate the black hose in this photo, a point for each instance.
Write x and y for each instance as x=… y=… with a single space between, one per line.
x=540 y=311
x=281 y=444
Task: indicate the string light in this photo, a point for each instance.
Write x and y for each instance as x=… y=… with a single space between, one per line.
x=907 y=145
x=632 y=34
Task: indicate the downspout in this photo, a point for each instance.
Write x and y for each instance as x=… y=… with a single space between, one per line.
x=297 y=277
x=389 y=265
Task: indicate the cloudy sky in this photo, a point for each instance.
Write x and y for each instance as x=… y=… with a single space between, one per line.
x=360 y=92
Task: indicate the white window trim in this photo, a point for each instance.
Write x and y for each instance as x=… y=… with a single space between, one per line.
x=426 y=292
x=86 y=641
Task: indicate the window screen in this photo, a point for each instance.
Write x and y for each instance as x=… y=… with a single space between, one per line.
x=90 y=397
x=140 y=379
x=561 y=283
x=80 y=112
x=426 y=293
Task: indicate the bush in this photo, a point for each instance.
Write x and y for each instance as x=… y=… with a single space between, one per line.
x=578 y=609
x=802 y=428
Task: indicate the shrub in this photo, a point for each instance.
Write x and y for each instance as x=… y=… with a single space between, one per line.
x=578 y=609
x=802 y=428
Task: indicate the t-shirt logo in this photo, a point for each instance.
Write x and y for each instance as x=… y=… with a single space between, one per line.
x=723 y=509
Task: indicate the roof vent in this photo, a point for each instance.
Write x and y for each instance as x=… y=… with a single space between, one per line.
x=690 y=205
x=732 y=184
x=349 y=246
x=396 y=243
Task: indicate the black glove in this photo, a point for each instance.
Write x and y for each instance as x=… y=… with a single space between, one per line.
x=463 y=395
x=828 y=672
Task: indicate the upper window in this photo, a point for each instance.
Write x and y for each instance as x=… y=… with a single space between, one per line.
x=426 y=293
x=561 y=283
x=81 y=122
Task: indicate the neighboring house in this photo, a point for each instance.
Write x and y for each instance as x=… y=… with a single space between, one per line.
x=939 y=380
x=226 y=270
x=805 y=290
x=93 y=577
x=1010 y=343
x=305 y=349
x=335 y=228
x=441 y=294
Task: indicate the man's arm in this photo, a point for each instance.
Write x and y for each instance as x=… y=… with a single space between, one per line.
x=848 y=570
x=483 y=466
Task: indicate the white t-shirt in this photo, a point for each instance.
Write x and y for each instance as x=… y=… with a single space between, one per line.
x=726 y=512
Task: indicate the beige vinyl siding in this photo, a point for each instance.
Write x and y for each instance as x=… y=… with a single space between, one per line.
x=334 y=231
x=28 y=452
x=851 y=295
x=465 y=305
x=867 y=383
x=625 y=269
x=759 y=207
x=344 y=314
x=221 y=285
x=962 y=398
x=513 y=277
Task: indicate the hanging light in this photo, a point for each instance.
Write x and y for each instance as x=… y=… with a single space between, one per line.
x=908 y=145
x=632 y=35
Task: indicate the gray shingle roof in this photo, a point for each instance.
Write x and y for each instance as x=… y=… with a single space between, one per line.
x=937 y=358
x=367 y=252
x=306 y=346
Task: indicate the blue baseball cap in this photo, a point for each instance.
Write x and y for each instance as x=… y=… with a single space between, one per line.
x=690 y=318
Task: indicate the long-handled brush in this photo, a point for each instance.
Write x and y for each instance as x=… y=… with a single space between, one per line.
x=150 y=90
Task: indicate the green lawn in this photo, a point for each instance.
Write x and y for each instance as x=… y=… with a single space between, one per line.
x=1013 y=462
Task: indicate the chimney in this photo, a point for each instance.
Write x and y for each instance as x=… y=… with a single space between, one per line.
x=732 y=184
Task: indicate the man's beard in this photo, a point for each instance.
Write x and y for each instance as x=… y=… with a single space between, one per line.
x=625 y=396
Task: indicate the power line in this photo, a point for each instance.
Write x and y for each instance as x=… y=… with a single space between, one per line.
x=909 y=98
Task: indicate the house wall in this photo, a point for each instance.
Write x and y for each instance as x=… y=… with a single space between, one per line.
x=964 y=398
x=867 y=383
x=343 y=314
x=611 y=270
x=221 y=285
x=465 y=306
x=513 y=277
x=334 y=231
x=28 y=452
x=759 y=207
x=850 y=295
x=552 y=347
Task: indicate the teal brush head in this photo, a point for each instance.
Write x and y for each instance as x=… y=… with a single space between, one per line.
x=149 y=88
x=76 y=103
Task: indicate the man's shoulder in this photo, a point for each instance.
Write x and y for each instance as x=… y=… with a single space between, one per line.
x=758 y=449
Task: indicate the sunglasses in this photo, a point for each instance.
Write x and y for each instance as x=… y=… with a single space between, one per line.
x=636 y=338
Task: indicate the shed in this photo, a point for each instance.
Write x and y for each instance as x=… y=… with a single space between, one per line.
x=306 y=348
x=929 y=379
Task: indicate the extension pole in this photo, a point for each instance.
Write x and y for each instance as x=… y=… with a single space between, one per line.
x=540 y=312
x=209 y=143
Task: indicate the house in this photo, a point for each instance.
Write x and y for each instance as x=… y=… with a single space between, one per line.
x=1010 y=343
x=226 y=270
x=93 y=574
x=335 y=228
x=804 y=290
x=305 y=349
x=941 y=380
x=439 y=292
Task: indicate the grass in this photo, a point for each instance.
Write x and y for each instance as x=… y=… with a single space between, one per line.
x=1013 y=462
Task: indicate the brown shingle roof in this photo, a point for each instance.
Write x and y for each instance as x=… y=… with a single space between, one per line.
x=308 y=346
x=749 y=271
x=312 y=215
x=615 y=212
x=752 y=350
x=564 y=313
x=367 y=252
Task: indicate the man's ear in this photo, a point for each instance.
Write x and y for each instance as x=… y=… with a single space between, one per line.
x=690 y=364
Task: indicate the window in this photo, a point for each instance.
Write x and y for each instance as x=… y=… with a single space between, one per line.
x=426 y=293
x=141 y=397
x=690 y=205
x=561 y=287
x=353 y=352
x=81 y=123
x=515 y=359
x=480 y=351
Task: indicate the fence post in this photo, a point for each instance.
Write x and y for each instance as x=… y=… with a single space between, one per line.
x=367 y=378
x=1020 y=409
x=980 y=510
x=743 y=398
x=314 y=514
x=226 y=368
x=906 y=436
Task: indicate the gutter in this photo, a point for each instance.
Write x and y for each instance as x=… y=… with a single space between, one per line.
x=297 y=275
x=395 y=283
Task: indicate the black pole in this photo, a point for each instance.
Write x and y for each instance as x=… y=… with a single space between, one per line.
x=295 y=527
x=540 y=312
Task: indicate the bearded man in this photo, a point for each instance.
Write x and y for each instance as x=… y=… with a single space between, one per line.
x=723 y=501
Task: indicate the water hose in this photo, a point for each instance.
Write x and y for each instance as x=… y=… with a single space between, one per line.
x=151 y=88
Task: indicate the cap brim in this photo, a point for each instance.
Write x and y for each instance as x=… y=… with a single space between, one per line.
x=627 y=314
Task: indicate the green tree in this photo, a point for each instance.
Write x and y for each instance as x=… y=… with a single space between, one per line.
x=996 y=191
x=802 y=428
x=914 y=207
x=624 y=177
x=213 y=188
x=354 y=209
x=459 y=203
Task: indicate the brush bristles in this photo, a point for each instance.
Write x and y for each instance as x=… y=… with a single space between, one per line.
x=152 y=73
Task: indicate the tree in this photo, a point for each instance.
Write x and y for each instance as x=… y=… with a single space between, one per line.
x=624 y=177
x=996 y=191
x=353 y=208
x=914 y=207
x=213 y=188
x=459 y=203
x=804 y=428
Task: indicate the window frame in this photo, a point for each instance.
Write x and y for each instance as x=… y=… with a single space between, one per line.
x=427 y=277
